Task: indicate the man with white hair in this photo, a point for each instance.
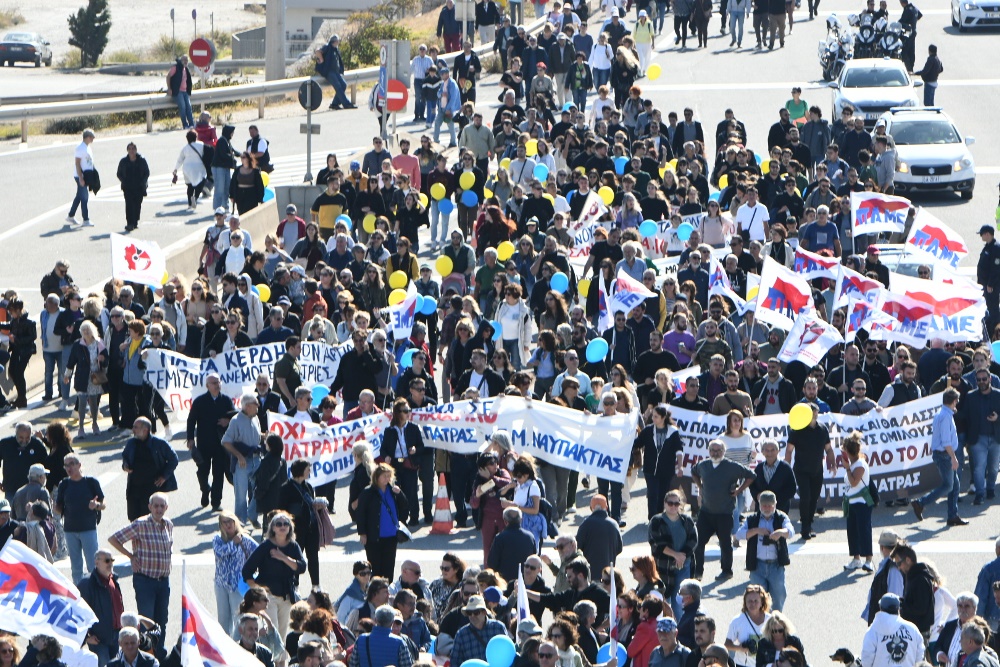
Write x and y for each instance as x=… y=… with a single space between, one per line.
x=209 y=412
x=242 y=441
x=129 y=653
x=949 y=641
x=249 y=627
x=720 y=481
x=78 y=499
x=32 y=491
x=381 y=648
x=512 y=546
x=103 y=594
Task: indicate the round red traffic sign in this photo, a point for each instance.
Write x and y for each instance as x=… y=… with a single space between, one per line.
x=396 y=96
x=201 y=52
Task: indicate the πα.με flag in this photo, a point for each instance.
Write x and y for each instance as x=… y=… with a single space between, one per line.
x=913 y=319
x=203 y=641
x=522 y=597
x=956 y=302
x=851 y=286
x=680 y=378
x=809 y=340
x=38 y=599
x=719 y=283
x=138 y=261
x=873 y=213
x=782 y=295
x=809 y=265
x=931 y=238
x=628 y=293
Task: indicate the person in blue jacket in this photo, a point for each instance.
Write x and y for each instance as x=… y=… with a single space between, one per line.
x=330 y=64
x=150 y=463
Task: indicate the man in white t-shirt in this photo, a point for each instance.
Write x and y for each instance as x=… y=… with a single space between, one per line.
x=572 y=360
x=481 y=377
x=83 y=161
x=752 y=218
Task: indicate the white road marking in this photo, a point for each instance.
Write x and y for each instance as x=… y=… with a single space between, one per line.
x=34 y=221
x=784 y=85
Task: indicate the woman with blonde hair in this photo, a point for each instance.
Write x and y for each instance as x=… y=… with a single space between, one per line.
x=275 y=565
x=89 y=358
x=746 y=628
x=10 y=654
x=381 y=508
x=778 y=634
x=232 y=547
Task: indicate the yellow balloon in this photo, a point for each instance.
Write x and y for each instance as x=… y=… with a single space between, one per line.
x=550 y=198
x=396 y=296
x=166 y=278
x=752 y=293
x=673 y=164
x=466 y=180
x=583 y=286
x=397 y=280
x=531 y=147
x=582 y=170
x=800 y=416
x=505 y=251
x=607 y=195
x=654 y=72
x=487 y=193
x=723 y=181
x=505 y=163
x=438 y=191
x=423 y=200
x=765 y=166
x=264 y=292
x=369 y=223
x=265 y=177
x=444 y=265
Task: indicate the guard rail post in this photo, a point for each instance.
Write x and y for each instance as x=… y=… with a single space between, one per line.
x=149 y=119
x=24 y=130
x=260 y=107
x=354 y=94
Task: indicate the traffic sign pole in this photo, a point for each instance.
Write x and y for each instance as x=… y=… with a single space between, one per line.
x=308 y=178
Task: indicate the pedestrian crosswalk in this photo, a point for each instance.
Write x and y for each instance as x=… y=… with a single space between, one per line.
x=288 y=170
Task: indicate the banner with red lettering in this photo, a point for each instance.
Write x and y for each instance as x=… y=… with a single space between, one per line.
x=897 y=442
x=931 y=238
x=874 y=213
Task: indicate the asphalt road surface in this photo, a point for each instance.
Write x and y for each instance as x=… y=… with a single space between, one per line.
x=824 y=601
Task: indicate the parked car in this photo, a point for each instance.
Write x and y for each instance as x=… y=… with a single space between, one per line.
x=873 y=86
x=25 y=47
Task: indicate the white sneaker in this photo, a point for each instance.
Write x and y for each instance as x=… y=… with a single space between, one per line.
x=71 y=220
x=87 y=223
x=167 y=433
x=854 y=564
x=64 y=405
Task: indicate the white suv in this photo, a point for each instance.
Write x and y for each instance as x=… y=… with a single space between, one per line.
x=932 y=154
x=873 y=86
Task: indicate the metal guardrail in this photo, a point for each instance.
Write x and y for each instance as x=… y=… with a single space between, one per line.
x=149 y=103
x=228 y=65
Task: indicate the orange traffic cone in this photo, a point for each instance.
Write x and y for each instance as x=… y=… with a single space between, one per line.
x=443 y=523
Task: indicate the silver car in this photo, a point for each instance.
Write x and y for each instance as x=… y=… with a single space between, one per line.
x=873 y=86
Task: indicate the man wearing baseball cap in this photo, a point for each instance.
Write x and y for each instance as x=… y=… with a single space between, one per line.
x=891 y=640
x=669 y=653
x=988 y=271
x=8 y=526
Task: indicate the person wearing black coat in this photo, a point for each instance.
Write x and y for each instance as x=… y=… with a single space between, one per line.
x=298 y=498
x=133 y=173
x=491 y=382
x=781 y=481
x=270 y=476
x=403 y=449
x=23 y=334
x=378 y=536
x=97 y=595
x=661 y=448
x=511 y=547
x=357 y=371
x=761 y=392
x=204 y=439
x=917 y=604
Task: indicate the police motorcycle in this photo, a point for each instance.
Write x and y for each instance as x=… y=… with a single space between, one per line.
x=890 y=43
x=836 y=49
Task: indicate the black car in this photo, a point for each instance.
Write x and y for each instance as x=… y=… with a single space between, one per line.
x=25 y=47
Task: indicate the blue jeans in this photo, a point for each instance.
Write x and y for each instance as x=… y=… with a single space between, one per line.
x=183 y=101
x=222 y=176
x=859 y=530
x=679 y=576
x=736 y=20
x=771 y=577
x=516 y=12
x=580 y=99
x=950 y=484
x=81 y=199
x=661 y=15
x=54 y=362
x=82 y=549
x=152 y=597
x=437 y=215
x=451 y=128
x=243 y=487
x=601 y=77
x=336 y=80
x=985 y=455
x=227 y=605
x=64 y=388
x=929 y=91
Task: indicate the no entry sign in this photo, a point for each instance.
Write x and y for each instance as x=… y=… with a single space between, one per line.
x=396 y=95
x=202 y=53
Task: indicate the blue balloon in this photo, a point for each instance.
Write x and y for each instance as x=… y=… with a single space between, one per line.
x=446 y=206
x=497 y=333
x=597 y=349
x=319 y=392
x=620 y=163
x=469 y=198
x=255 y=290
x=715 y=196
x=346 y=220
x=407 y=359
x=428 y=306
x=756 y=156
x=996 y=349
x=684 y=231
x=475 y=663
x=604 y=654
x=268 y=194
x=648 y=228
x=566 y=107
x=500 y=651
x=243 y=587
x=541 y=172
x=559 y=282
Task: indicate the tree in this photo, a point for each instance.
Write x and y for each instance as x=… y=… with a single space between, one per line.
x=89 y=28
x=359 y=46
